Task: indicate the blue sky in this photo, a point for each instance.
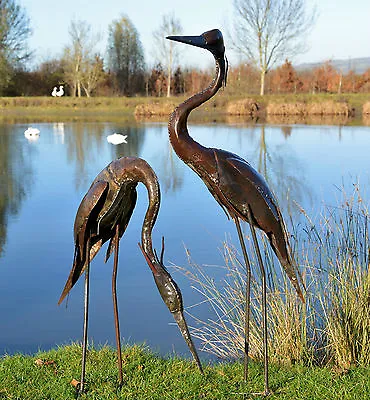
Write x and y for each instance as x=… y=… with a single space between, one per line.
x=342 y=29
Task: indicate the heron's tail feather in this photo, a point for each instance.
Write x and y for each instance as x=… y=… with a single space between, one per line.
x=76 y=272
x=79 y=265
x=110 y=249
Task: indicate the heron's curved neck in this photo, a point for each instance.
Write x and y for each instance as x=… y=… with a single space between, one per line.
x=177 y=127
x=151 y=183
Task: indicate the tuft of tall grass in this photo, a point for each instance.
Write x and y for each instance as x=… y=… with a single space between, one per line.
x=343 y=291
x=333 y=326
x=222 y=334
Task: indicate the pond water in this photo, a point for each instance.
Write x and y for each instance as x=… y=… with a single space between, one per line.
x=43 y=182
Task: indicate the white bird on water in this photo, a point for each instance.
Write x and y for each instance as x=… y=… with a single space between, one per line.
x=117 y=138
x=32 y=133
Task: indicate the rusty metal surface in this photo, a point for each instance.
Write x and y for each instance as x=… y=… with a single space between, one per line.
x=232 y=181
x=238 y=188
x=102 y=216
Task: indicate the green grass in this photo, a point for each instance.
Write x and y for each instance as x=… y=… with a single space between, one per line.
x=147 y=376
x=126 y=105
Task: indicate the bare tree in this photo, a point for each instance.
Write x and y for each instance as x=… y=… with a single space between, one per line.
x=166 y=50
x=82 y=63
x=269 y=31
x=93 y=74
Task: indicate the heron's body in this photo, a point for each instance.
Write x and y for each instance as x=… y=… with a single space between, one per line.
x=103 y=215
x=232 y=181
x=237 y=187
x=109 y=202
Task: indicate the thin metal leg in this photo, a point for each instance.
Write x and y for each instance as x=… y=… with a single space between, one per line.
x=115 y=307
x=264 y=302
x=247 y=298
x=86 y=318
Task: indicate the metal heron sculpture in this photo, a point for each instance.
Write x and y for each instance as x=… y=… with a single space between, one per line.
x=238 y=188
x=103 y=215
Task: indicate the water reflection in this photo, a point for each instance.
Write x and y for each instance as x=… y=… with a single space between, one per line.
x=276 y=165
x=84 y=142
x=58 y=130
x=302 y=164
x=16 y=174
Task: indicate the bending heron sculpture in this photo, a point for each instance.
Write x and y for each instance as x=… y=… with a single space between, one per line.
x=103 y=215
x=239 y=189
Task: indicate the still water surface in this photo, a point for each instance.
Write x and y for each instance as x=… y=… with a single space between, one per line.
x=43 y=182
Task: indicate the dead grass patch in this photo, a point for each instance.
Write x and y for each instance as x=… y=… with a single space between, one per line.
x=302 y=109
x=150 y=109
x=366 y=108
x=243 y=107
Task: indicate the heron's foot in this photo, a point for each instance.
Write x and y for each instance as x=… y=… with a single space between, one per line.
x=79 y=386
x=120 y=385
x=250 y=395
x=265 y=393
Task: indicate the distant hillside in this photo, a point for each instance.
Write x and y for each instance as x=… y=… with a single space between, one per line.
x=359 y=65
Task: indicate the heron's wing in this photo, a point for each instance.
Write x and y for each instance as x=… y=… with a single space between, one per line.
x=244 y=187
x=125 y=206
x=87 y=213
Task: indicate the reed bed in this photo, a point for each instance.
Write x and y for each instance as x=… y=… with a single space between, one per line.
x=366 y=108
x=314 y=108
x=331 y=328
x=243 y=107
x=154 y=109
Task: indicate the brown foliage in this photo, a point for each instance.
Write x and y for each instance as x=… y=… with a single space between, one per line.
x=285 y=79
x=242 y=79
x=195 y=80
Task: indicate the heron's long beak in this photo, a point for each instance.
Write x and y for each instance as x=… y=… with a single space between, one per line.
x=180 y=320
x=197 y=41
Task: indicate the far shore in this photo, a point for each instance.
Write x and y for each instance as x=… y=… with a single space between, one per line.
x=287 y=108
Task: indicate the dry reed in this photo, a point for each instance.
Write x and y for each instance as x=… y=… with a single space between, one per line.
x=366 y=108
x=154 y=109
x=302 y=109
x=334 y=324
x=243 y=107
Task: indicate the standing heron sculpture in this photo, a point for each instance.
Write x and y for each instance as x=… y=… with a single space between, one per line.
x=238 y=188
x=103 y=215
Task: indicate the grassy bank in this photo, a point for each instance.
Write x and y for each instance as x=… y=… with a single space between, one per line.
x=221 y=104
x=48 y=375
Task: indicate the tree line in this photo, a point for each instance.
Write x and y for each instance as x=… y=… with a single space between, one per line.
x=267 y=33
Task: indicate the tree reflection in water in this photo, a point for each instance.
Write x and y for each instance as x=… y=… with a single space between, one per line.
x=85 y=141
x=16 y=174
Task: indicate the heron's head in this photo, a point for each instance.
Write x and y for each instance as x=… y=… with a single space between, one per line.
x=167 y=287
x=211 y=40
x=171 y=295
